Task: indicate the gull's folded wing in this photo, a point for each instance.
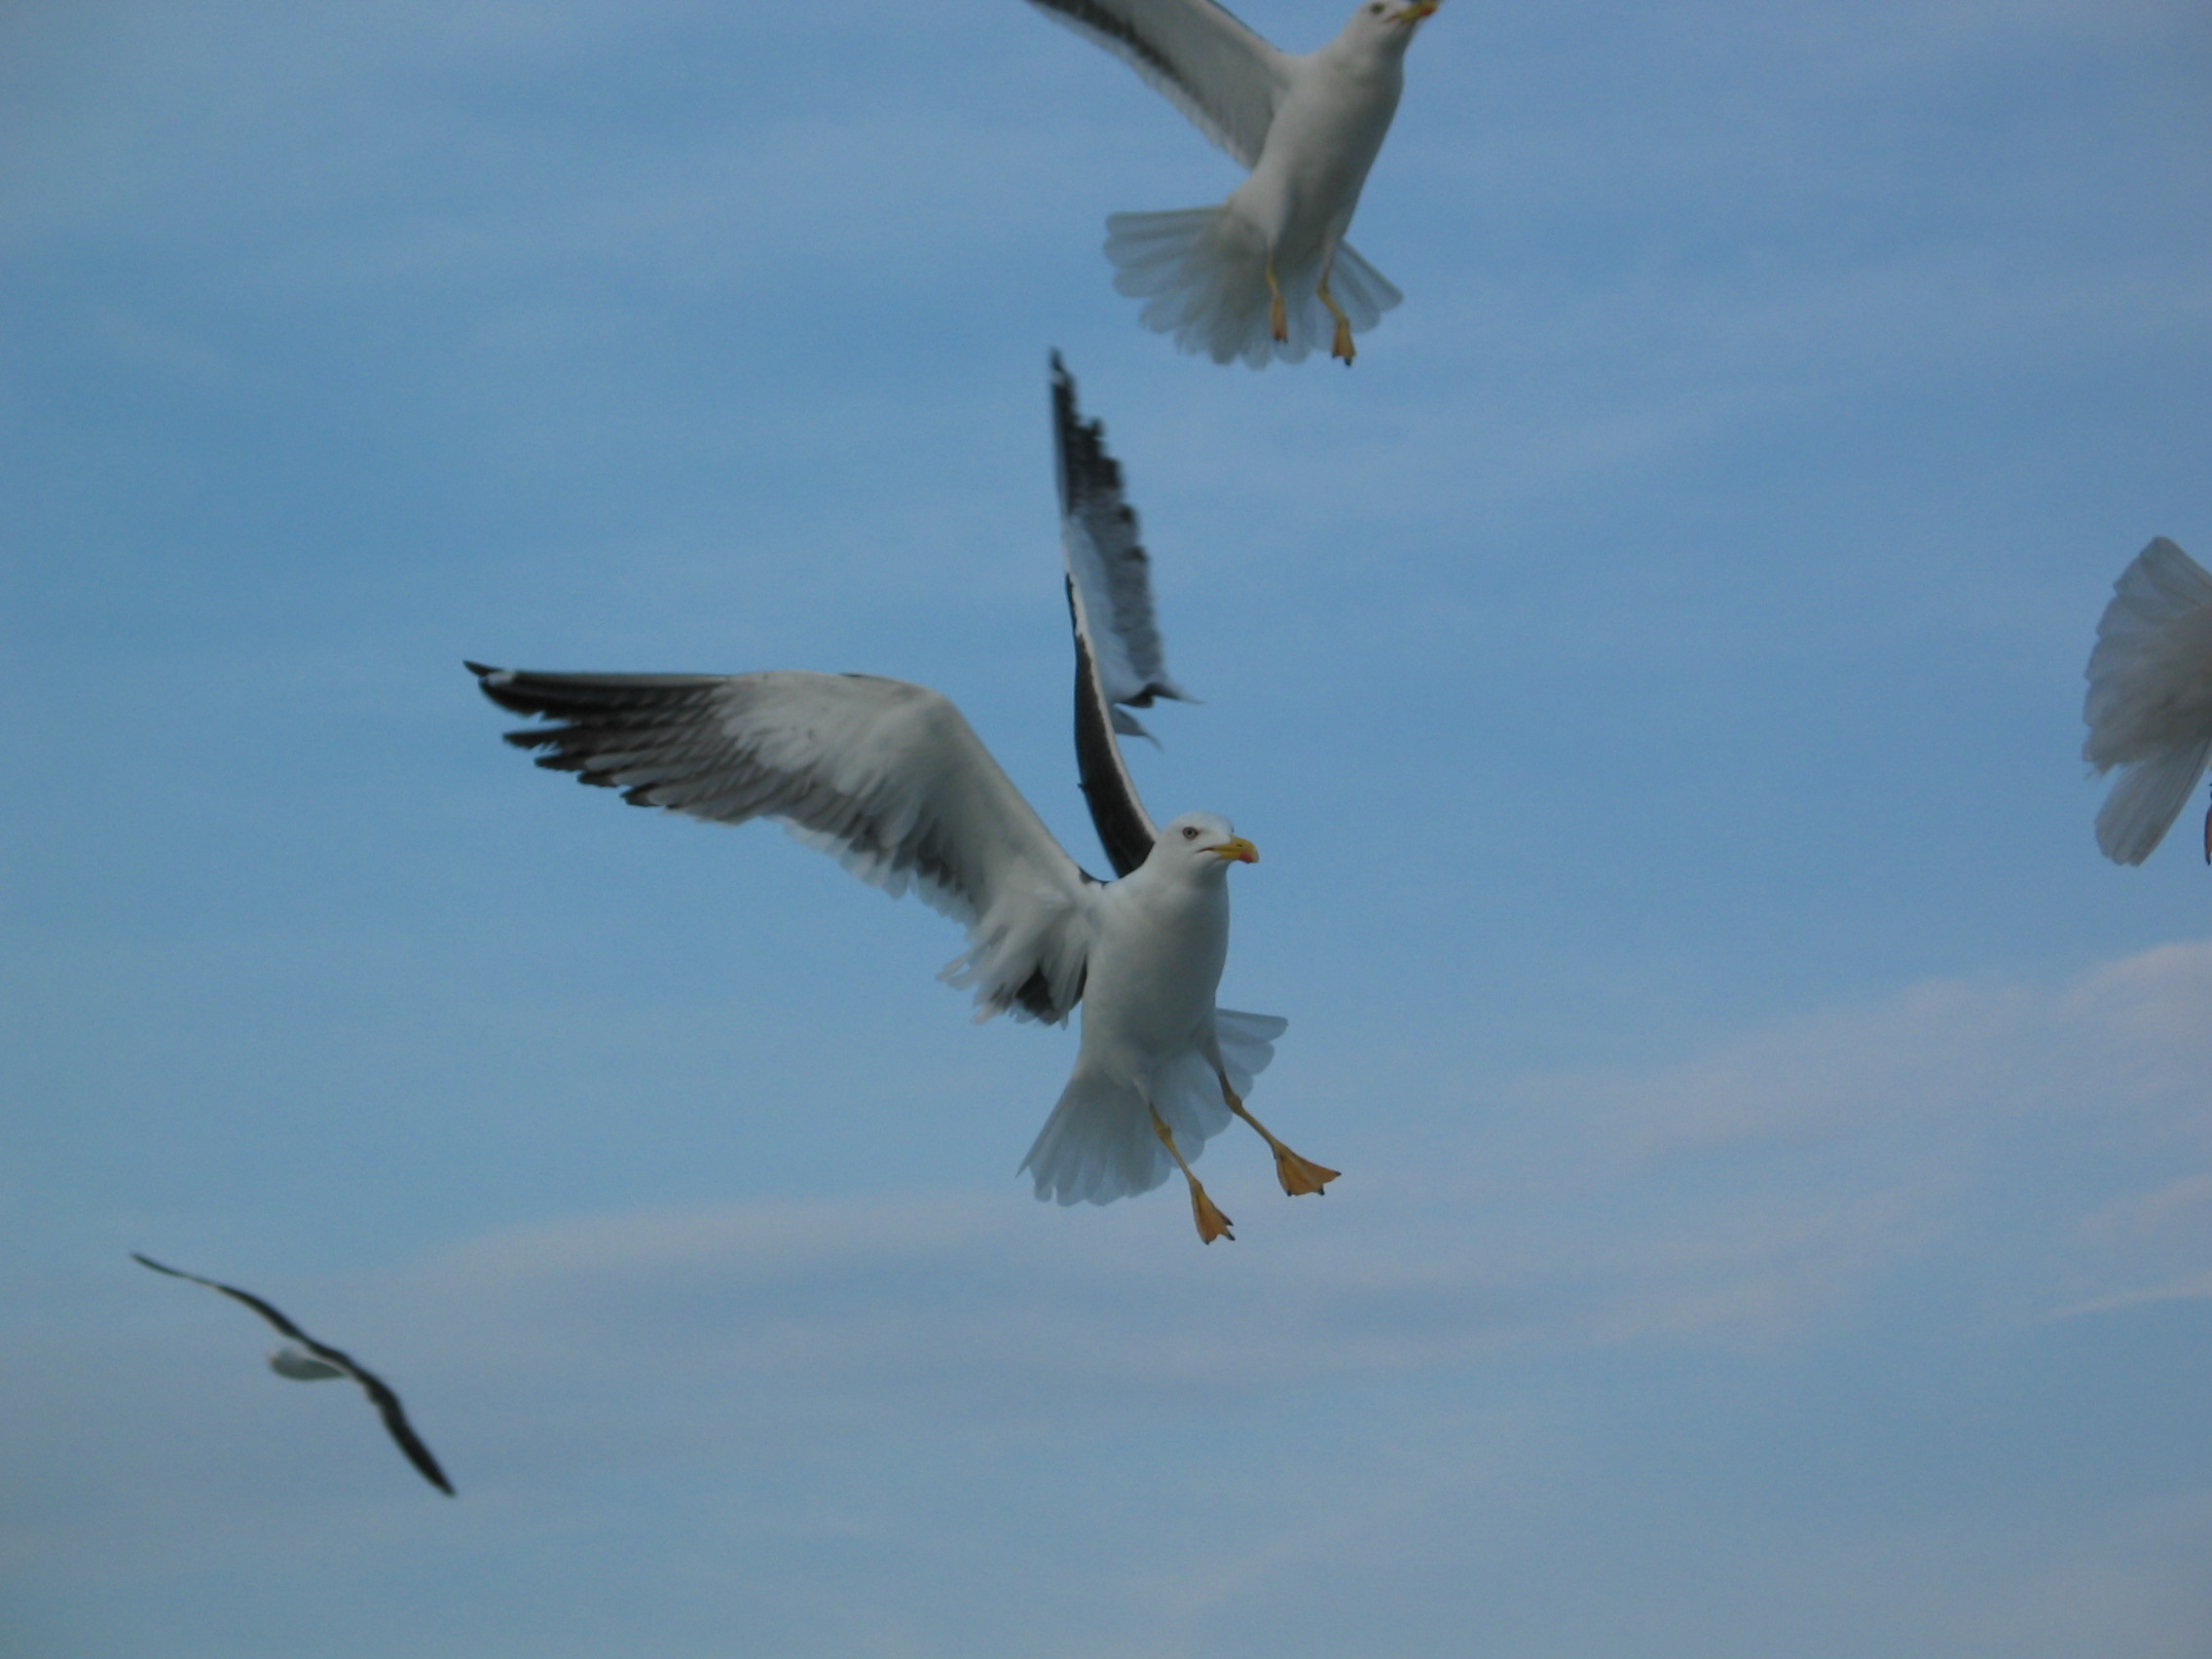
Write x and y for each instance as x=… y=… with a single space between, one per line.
x=1120 y=661
x=2150 y=703
x=886 y=776
x=1226 y=79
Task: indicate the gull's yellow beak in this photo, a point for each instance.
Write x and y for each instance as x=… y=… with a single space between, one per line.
x=1237 y=850
x=1418 y=10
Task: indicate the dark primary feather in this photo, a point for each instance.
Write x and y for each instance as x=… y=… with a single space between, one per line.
x=1117 y=811
x=258 y=1306
x=377 y=1390
x=1107 y=557
x=1110 y=609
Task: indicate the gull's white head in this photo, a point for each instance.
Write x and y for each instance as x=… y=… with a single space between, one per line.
x=294 y=1361
x=1388 y=24
x=1201 y=841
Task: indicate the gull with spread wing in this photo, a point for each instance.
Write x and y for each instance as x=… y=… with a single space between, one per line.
x=891 y=780
x=2150 y=703
x=1266 y=274
x=303 y=1359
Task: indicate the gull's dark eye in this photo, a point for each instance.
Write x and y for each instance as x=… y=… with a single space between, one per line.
x=1189 y=834
x=1377 y=9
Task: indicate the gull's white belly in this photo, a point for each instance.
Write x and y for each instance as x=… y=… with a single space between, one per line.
x=1317 y=153
x=1156 y=961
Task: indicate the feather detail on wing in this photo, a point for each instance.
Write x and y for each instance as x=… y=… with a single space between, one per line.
x=1119 y=660
x=2148 y=707
x=1225 y=78
x=885 y=776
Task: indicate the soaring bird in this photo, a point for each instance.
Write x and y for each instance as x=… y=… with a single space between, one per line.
x=890 y=779
x=1266 y=274
x=305 y=1360
x=2149 y=702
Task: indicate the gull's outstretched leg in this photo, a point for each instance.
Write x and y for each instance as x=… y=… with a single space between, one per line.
x=1341 y=346
x=1213 y=1224
x=1278 y=318
x=1297 y=1174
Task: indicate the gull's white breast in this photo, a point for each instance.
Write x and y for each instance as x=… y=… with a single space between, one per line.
x=1320 y=146
x=1157 y=953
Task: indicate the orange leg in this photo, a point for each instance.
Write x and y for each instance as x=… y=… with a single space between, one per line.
x=1213 y=1224
x=1341 y=346
x=1297 y=1174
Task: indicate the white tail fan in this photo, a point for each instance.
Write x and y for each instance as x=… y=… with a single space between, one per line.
x=1202 y=273
x=2144 y=804
x=1098 y=1145
x=2150 y=703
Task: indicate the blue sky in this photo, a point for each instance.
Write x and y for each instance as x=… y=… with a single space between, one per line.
x=1778 y=1171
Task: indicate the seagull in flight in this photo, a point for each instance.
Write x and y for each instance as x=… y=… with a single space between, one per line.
x=1119 y=664
x=891 y=780
x=2150 y=703
x=1266 y=274
x=305 y=1360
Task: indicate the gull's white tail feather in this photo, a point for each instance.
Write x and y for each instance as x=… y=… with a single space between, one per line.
x=1202 y=273
x=2144 y=804
x=1248 y=1042
x=1363 y=291
x=2150 y=703
x=1098 y=1145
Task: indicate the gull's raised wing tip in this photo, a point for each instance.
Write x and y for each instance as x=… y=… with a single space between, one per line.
x=1120 y=658
x=1221 y=75
x=1106 y=559
x=402 y=1432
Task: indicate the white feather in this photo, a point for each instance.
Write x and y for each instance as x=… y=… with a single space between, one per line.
x=1202 y=271
x=2148 y=707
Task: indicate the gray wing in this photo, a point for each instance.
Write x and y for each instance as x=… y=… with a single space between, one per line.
x=1219 y=73
x=885 y=776
x=1120 y=659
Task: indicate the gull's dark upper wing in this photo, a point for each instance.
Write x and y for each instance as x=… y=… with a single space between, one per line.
x=397 y=1426
x=1117 y=811
x=377 y=1390
x=1120 y=662
x=1192 y=53
x=256 y=1304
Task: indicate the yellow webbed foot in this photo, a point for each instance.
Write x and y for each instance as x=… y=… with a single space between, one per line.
x=1301 y=1174
x=1213 y=1224
x=1342 y=346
